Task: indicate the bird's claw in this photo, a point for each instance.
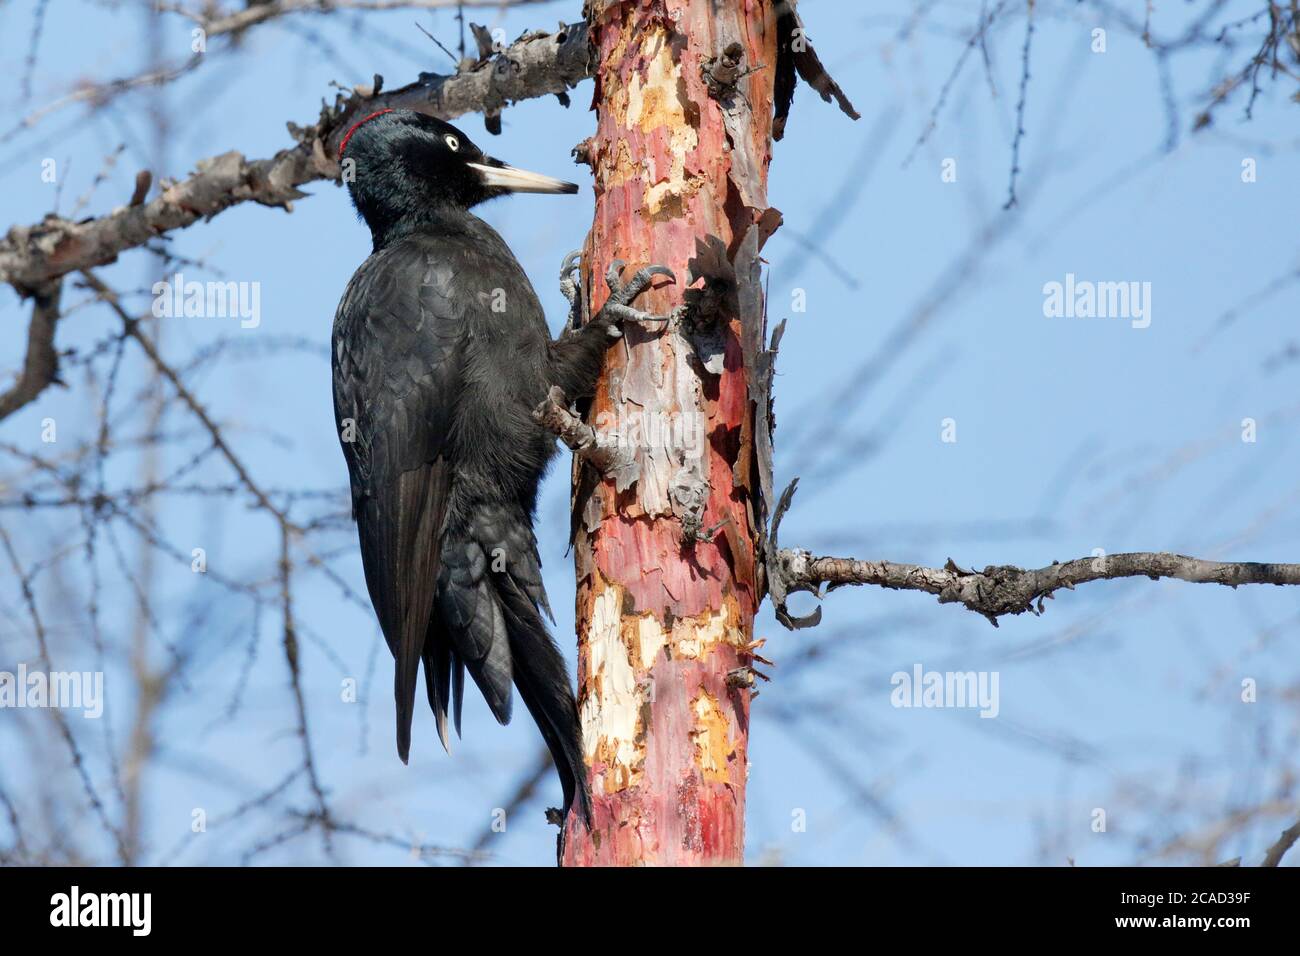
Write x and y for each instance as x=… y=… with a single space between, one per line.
x=625 y=313
x=568 y=284
x=571 y=262
x=622 y=294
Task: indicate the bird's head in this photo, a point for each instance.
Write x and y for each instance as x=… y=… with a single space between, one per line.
x=404 y=164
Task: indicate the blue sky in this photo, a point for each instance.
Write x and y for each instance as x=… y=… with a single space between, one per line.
x=924 y=303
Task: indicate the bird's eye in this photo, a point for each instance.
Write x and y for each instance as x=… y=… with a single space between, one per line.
x=452 y=142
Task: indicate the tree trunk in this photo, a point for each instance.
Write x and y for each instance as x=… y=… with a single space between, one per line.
x=667 y=547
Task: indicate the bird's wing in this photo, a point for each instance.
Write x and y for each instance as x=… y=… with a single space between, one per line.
x=397 y=335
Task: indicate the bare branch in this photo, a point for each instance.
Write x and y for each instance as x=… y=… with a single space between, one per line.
x=1283 y=25
x=1285 y=842
x=231 y=24
x=41 y=366
x=524 y=792
x=65 y=730
x=220 y=22
x=1004 y=589
x=1020 y=108
x=535 y=65
x=131 y=327
x=99 y=94
x=290 y=636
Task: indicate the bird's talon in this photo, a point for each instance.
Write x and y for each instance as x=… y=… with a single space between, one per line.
x=623 y=293
x=571 y=262
x=614 y=276
x=568 y=281
x=625 y=313
x=641 y=281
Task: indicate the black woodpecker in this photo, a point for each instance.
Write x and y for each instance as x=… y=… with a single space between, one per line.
x=440 y=353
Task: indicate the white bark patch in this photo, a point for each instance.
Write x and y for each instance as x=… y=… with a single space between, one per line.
x=672 y=458
x=693 y=637
x=621 y=650
x=610 y=711
x=651 y=639
x=690 y=638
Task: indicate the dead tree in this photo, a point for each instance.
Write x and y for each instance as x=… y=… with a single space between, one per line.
x=668 y=522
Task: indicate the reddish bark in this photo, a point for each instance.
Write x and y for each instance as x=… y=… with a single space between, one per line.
x=665 y=611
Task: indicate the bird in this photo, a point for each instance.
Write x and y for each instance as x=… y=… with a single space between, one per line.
x=440 y=352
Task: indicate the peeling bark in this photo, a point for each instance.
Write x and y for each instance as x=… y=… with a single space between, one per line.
x=668 y=580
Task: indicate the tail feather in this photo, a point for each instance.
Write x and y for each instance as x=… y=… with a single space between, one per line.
x=405 y=678
x=543 y=683
x=489 y=621
x=472 y=616
x=437 y=677
x=457 y=686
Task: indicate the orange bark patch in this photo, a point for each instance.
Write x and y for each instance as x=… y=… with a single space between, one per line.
x=712 y=738
x=657 y=108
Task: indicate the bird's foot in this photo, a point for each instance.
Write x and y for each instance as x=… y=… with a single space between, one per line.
x=618 y=307
x=621 y=294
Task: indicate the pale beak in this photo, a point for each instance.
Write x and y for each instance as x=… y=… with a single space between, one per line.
x=519 y=180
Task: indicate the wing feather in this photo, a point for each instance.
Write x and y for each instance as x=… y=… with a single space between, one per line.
x=397 y=337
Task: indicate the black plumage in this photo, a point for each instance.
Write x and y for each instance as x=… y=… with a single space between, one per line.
x=440 y=353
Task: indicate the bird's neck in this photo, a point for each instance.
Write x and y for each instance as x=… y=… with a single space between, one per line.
x=429 y=219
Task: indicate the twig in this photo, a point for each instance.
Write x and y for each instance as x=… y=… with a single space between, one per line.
x=1020 y=108
x=131 y=326
x=78 y=761
x=41 y=365
x=295 y=682
x=978 y=38
x=1278 y=850
x=288 y=530
x=523 y=794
